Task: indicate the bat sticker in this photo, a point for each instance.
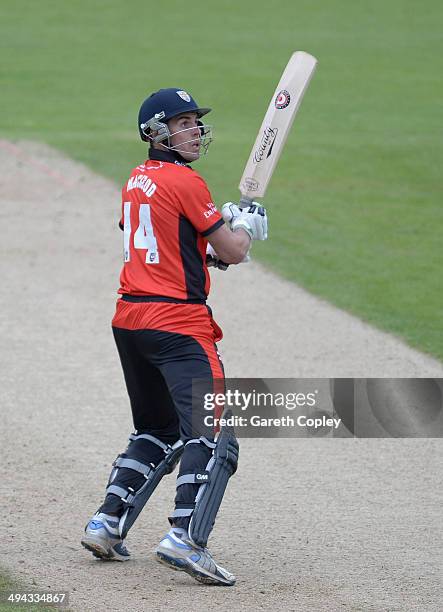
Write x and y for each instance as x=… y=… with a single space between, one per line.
x=283 y=99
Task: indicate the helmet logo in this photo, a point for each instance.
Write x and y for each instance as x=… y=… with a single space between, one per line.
x=184 y=95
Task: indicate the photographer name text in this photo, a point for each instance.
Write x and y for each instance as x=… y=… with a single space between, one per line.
x=283 y=421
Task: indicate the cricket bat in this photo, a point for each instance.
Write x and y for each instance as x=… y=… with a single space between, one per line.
x=276 y=125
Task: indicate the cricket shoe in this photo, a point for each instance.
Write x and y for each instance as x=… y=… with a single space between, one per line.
x=178 y=553
x=102 y=538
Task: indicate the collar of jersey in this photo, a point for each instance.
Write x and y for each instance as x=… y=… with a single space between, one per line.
x=168 y=156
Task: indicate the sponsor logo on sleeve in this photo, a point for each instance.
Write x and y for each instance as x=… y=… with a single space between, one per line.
x=211 y=210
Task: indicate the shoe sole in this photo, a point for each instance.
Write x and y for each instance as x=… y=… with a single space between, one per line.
x=100 y=552
x=186 y=566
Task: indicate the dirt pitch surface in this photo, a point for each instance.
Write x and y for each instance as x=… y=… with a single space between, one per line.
x=307 y=524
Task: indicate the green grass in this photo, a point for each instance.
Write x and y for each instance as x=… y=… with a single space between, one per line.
x=356 y=202
x=9 y=585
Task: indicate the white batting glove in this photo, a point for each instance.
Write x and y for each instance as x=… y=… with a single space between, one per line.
x=214 y=261
x=254 y=220
x=230 y=211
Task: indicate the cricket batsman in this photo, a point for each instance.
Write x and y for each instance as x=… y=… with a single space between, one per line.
x=166 y=337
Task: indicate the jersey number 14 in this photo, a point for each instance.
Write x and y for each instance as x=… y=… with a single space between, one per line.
x=144 y=237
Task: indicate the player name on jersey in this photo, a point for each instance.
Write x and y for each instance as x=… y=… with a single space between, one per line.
x=143 y=182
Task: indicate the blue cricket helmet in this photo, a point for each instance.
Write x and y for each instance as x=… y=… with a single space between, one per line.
x=166 y=104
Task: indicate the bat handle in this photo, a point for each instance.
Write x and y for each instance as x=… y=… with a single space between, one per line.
x=244 y=201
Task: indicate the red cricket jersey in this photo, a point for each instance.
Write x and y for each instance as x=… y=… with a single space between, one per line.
x=167 y=213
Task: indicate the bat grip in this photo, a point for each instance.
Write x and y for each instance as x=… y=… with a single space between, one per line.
x=244 y=201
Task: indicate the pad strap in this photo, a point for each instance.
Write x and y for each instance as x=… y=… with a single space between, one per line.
x=159 y=443
x=132 y=464
x=126 y=495
x=181 y=512
x=202 y=440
